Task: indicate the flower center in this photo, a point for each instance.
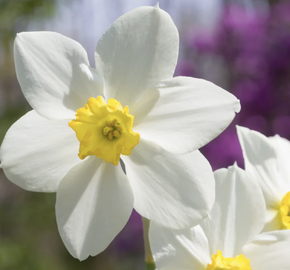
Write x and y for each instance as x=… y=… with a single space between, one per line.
x=112 y=130
x=284 y=211
x=239 y=262
x=104 y=130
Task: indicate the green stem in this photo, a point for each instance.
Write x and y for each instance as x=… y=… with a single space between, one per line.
x=149 y=261
x=150 y=266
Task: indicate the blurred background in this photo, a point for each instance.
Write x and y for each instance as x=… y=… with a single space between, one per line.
x=242 y=46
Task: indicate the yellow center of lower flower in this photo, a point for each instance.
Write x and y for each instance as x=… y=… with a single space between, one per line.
x=104 y=130
x=285 y=211
x=220 y=263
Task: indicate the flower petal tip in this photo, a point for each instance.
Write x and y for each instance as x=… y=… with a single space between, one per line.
x=238 y=108
x=157 y=5
x=20 y=35
x=235 y=165
x=241 y=128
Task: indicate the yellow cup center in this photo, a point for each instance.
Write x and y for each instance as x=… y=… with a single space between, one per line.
x=239 y=262
x=104 y=130
x=284 y=211
x=113 y=129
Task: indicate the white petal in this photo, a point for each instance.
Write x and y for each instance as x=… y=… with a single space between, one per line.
x=238 y=214
x=282 y=148
x=176 y=250
x=36 y=153
x=187 y=113
x=137 y=51
x=269 y=251
x=176 y=191
x=54 y=73
x=262 y=164
x=273 y=220
x=94 y=202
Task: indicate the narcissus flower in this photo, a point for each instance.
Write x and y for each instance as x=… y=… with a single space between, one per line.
x=229 y=238
x=267 y=161
x=84 y=119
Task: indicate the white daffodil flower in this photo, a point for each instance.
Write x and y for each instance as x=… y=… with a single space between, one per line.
x=72 y=140
x=267 y=161
x=229 y=238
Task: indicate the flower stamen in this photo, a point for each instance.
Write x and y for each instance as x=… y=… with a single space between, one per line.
x=113 y=129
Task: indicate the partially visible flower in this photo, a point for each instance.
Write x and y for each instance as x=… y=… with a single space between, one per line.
x=167 y=180
x=229 y=238
x=267 y=161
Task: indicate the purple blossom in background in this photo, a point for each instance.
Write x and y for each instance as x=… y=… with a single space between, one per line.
x=251 y=54
x=131 y=239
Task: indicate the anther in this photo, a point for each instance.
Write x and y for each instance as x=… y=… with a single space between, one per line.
x=110 y=135
x=114 y=122
x=106 y=130
x=118 y=127
x=116 y=133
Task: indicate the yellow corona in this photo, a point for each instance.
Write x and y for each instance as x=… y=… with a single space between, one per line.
x=104 y=130
x=239 y=262
x=285 y=211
